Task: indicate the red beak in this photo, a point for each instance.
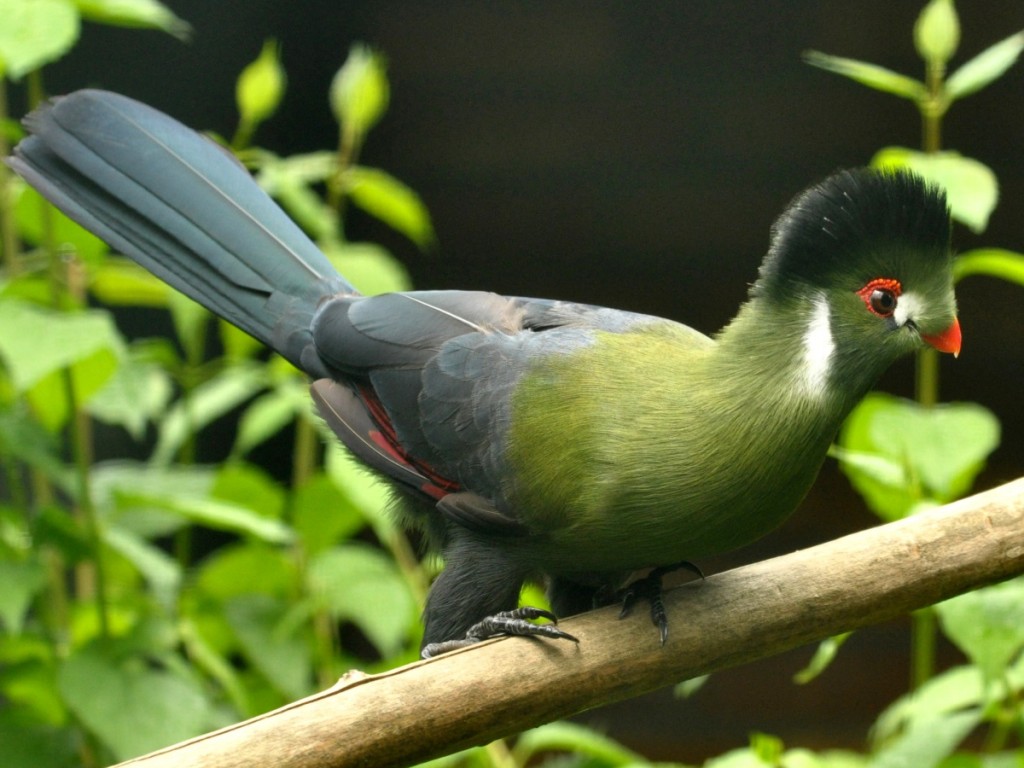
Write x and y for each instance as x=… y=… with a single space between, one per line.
x=948 y=340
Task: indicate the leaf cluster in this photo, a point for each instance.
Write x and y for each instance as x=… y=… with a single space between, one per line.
x=904 y=456
x=146 y=597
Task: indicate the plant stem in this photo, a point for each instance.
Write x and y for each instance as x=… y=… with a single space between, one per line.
x=71 y=283
x=933 y=107
x=8 y=241
x=924 y=629
x=927 y=377
x=500 y=755
x=325 y=630
x=81 y=447
x=304 y=451
x=347 y=154
x=55 y=612
x=922 y=639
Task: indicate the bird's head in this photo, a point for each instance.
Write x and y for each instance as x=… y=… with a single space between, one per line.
x=864 y=259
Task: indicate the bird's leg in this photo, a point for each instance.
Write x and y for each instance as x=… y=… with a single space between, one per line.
x=517 y=622
x=470 y=601
x=649 y=588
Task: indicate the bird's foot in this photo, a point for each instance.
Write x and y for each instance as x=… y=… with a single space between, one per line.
x=508 y=623
x=649 y=588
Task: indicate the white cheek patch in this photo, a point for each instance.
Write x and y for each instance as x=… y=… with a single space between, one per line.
x=818 y=346
x=907 y=306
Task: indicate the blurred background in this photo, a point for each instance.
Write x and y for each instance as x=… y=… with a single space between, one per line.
x=633 y=155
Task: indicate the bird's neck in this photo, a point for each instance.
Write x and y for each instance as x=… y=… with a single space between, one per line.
x=792 y=357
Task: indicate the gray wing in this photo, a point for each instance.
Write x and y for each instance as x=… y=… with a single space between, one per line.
x=435 y=371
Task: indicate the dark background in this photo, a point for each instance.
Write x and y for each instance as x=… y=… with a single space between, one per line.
x=632 y=154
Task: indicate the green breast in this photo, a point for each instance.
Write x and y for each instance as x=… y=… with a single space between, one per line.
x=648 y=448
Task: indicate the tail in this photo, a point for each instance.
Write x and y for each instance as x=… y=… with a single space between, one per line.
x=183 y=208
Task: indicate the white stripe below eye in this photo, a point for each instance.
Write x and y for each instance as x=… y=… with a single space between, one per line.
x=906 y=307
x=818 y=349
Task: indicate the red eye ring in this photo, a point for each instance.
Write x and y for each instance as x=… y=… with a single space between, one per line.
x=880 y=296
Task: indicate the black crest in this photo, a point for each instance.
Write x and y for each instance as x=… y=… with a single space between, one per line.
x=856 y=213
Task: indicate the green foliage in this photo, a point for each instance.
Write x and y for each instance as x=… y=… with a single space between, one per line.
x=119 y=631
x=904 y=456
x=258 y=92
x=359 y=93
x=971 y=186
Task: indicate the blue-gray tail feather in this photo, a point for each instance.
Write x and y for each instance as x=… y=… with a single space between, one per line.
x=183 y=208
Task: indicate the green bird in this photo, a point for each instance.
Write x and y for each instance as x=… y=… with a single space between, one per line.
x=534 y=438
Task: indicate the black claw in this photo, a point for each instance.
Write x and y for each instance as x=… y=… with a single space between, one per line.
x=649 y=588
x=515 y=623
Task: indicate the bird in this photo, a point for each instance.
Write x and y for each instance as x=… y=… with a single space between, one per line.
x=534 y=439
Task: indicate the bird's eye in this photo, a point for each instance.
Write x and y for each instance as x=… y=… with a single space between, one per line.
x=882 y=302
x=881 y=296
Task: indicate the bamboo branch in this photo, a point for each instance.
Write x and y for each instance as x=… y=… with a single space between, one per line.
x=503 y=686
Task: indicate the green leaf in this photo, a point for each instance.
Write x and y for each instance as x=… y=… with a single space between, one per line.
x=386 y=198
x=215 y=665
x=145 y=14
x=38 y=342
x=927 y=741
x=937 y=32
x=984 y=68
x=132 y=706
x=191 y=323
x=246 y=568
x=688 y=688
x=941 y=450
x=266 y=416
x=995 y=262
x=35 y=33
x=22 y=581
x=271 y=643
x=161 y=572
x=577 y=739
x=117 y=487
x=971 y=187
x=369 y=267
x=28 y=743
x=955 y=690
x=1009 y=759
x=871 y=75
x=322 y=515
x=987 y=625
x=238 y=345
x=831 y=758
x=290 y=181
x=206 y=403
x=24 y=439
x=27 y=666
x=359 y=92
x=737 y=758
x=135 y=395
x=823 y=657
x=260 y=87
x=249 y=486
x=219 y=515
x=880 y=471
x=369 y=494
x=357 y=583
x=39 y=223
x=121 y=282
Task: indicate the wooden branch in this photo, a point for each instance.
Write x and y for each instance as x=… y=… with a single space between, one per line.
x=503 y=686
